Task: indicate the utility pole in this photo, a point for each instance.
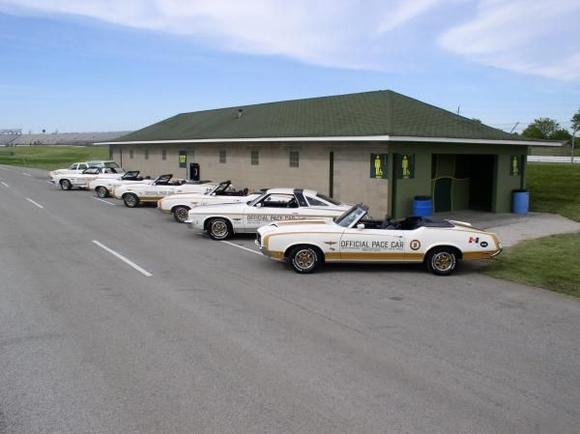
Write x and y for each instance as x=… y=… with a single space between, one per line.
x=514 y=127
x=573 y=145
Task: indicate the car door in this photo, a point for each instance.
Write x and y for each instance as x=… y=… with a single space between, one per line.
x=372 y=245
x=273 y=207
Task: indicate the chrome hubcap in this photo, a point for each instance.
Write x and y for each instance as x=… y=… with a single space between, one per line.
x=219 y=229
x=305 y=259
x=101 y=192
x=443 y=261
x=130 y=200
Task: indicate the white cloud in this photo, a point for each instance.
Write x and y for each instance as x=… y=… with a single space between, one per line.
x=525 y=36
x=530 y=36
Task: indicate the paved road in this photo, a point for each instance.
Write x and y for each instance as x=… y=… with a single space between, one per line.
x=219 y=339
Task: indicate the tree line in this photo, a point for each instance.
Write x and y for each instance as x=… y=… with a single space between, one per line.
x=550 y=129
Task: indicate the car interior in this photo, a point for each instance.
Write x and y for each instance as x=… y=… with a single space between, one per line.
x=405 y=224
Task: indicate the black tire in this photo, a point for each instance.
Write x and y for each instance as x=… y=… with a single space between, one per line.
x=181 y=213
x=131 y=200
x=442 y=261
x=304 y=259
x=65 y=184
x=102 y=192
x=219 y=229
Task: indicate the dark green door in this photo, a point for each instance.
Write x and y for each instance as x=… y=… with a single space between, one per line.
x=442 y=195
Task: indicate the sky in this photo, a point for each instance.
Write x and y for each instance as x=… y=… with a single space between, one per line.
x=112 y=65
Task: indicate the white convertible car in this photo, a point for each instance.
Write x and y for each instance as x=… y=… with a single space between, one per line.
x=440 y=244
x=104 y=186
x=135 y=193
x=81 y=180
x=79 y=167
x=180 y=204
x=275 y=204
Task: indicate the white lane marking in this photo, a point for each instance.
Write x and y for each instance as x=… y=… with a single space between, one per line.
x=50 y=182
x=103 y=200
x=125 y=260
x=229 y=243
x=26 y=174
x=4 y=184
x=34 y=203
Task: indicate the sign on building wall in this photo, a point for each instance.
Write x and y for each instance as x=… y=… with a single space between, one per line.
x=515 y=165
x=405 y=166
x=379 y=167
x=182 y=158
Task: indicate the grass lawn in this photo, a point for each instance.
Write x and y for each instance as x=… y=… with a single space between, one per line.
x=555 y=188
x=551 y=263
x=51 y=157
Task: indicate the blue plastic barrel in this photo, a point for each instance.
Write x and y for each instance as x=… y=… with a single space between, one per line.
x=422 y=206
x=520 y=201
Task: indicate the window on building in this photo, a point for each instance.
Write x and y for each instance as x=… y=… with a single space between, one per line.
x=130 y=153
x=146 y=153
x=164 y=154
x=294 y=159
x=223 y=157
x=255 y=158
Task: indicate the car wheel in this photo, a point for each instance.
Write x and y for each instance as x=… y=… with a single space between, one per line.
x=181 y=213
x=304 y=259
x=65 y=184
x=102 y=192
x=131 y=200
x=219 y=229
x=441 y=261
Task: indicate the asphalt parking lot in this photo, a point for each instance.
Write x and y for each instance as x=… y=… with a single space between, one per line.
x=115 y=319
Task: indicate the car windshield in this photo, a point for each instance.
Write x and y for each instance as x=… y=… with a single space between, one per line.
x=352 y=215
x=258 y=199
x=221 y=187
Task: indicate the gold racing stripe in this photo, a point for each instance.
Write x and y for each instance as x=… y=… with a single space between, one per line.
x=479 y=255
x=374 y=256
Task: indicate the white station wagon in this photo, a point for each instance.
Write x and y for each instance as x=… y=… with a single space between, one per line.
x=66 y=181
x=275 y=204
x=134 y=193
x=180 y=204
x=440 y=244
x=81 y=166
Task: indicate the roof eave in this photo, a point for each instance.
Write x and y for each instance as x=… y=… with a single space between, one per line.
x=377 y=138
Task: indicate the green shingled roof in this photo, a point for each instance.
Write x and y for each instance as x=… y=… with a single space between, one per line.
x=360 y=114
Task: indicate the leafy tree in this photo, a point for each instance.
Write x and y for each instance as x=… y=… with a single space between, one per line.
x=576 y=121
x=560 y=134
x=541 y=128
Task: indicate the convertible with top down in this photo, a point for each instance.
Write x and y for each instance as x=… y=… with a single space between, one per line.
x=179 y=204
x=134 y=194
x=439 y=244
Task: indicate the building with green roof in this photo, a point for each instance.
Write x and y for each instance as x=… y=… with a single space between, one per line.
x=381 y=148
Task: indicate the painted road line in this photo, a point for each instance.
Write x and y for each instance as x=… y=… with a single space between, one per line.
x=26 y=174
x=122 y=258
x=4 y=184
x=50 y=182
x=229 y=243
x=34 y=203
x=103 y=200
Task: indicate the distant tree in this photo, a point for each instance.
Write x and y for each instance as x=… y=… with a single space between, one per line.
x=576 y=121
x=560 y=134
x=541 y=128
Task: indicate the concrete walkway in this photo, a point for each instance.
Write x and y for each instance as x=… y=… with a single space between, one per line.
x=513 y=228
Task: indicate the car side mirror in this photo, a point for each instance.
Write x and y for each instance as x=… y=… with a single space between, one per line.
x=360 y=226
x=259 y=205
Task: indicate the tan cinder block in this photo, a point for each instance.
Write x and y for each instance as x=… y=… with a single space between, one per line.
x=352 y=182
